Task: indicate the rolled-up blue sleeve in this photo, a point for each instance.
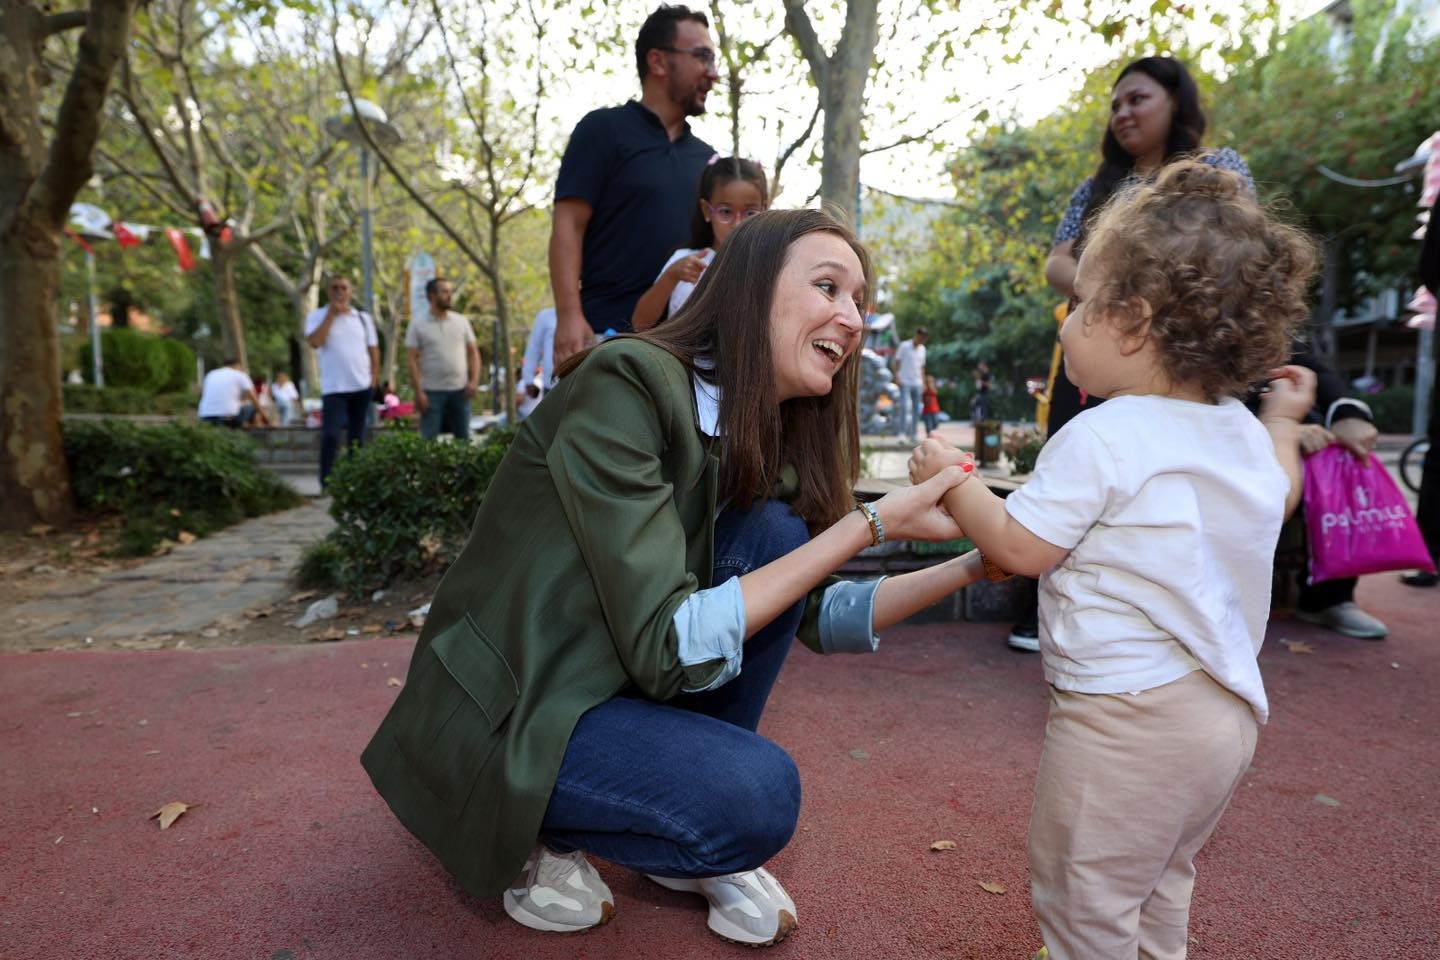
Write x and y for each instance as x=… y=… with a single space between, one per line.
x=710 y=628
x=847 y=617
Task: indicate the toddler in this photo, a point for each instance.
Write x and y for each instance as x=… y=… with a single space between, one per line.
x=1152 y=521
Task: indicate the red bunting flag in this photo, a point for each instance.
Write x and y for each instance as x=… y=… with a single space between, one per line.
x=80 y=240
x=182 y=248
x=123 y=236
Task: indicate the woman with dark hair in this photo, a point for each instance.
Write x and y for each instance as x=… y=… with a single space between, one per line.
x=595 y=663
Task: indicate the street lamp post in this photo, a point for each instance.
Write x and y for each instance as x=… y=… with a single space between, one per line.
x=346 y=127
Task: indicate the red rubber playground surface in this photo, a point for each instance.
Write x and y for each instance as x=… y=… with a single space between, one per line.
x=1329 y=850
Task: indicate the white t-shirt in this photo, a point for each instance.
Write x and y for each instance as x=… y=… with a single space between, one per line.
x=222 y=393
x=540 y=349
x=284 y=392
x=910 y=358
x=684 y=288
x=1170 y=510
x=344 y=358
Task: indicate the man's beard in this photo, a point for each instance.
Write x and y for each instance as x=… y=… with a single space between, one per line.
x=692 y=103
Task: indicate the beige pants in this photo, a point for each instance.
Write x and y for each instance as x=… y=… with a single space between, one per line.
x=1129 y=789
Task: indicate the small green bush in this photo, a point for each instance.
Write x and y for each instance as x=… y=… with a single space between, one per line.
x=1394 y=409
x=84 y=398
x=142 y=361
x=179 y=366
x=403 y=506
x=169 y=478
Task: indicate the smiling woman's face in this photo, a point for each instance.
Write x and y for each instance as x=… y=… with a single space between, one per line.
x=1141 y=111
x=817 y=315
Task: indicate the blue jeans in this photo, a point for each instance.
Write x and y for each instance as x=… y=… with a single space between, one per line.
x=912 y=402
x=448 y=412
x=688 y=788
x=341 y=414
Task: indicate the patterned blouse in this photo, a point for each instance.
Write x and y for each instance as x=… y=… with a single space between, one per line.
x=1069 y=229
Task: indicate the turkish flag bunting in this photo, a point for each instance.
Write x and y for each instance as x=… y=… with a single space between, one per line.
x=123 y=236
x=182 y=248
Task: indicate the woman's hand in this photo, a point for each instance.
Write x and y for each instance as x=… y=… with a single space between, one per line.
x=1356 y=435
x=1289 y=395
x=688 y=269
x=915 y=513
x=932 y=456
x=1314 y=438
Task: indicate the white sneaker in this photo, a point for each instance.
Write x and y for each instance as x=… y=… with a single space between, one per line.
x=559 y=893
x=750 y=908
x=1346 y=618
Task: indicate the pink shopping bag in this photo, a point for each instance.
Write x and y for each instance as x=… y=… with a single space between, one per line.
x=1357 y=520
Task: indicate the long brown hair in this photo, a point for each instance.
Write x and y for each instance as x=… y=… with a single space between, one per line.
x=725 y=326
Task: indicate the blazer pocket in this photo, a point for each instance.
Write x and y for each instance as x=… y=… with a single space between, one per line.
x=450 y=717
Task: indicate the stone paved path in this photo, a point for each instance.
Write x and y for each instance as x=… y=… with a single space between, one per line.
x=238 y=569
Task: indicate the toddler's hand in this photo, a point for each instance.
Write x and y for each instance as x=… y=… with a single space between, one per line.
x=1289 y=395
x=932 y=456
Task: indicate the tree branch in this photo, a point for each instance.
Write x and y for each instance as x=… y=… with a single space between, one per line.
x=797 y=21
x=60 y=22
x=77 y=124
x=790 y=150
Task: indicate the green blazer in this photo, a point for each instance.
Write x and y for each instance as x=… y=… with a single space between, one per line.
x=597 y=525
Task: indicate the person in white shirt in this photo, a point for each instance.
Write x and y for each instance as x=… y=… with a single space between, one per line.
x=227 y=397
x=444 y=364
x=286 y=397
x=1152 y=522
x=348 y=351
x=910 y=373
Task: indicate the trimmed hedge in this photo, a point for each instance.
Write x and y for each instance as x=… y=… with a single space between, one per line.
x=84 y=398
x=170 y=478
x=403 y=507
x=141 y=360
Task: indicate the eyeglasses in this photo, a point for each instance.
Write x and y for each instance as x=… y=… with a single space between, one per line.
x=728 y=215
x=705 y=55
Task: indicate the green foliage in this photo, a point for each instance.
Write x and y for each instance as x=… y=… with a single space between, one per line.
x=84 y=398
x=168 y=479
x=403 y=506
x=141 y=361
x=1393 y=409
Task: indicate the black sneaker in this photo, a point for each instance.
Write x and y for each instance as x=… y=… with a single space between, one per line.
x=1025 y=635
x=1420 y=578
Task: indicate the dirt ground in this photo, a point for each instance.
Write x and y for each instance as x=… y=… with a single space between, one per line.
x=43 y=560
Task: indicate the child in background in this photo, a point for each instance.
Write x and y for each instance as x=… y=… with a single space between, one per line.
x=930 y=405
x=1152 y=521
x=732 y=190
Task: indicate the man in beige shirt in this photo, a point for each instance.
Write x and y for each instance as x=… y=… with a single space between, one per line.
x=444 y=365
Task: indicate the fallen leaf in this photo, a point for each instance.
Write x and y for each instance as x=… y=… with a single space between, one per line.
x=302 y=595
x=996 y=888
x=1326 y=801
x=394 y=682
x=1300 y=646
x=40 y=529
x=170 y=812
x=185 y=536
x=334 y=633
x=943 y=845
x=370 y=628
x=257 y=614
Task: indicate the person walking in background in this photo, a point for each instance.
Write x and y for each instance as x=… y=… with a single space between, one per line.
x=626 y=186
x=984 y=380
x=732 y=191
x=930 y=406
x=540 y=351
x=444 y=364
x=348 y=352
x=286 y=397
x=228 y=397
x=910 y=373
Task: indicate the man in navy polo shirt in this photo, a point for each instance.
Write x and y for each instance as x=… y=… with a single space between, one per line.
x=628 y=182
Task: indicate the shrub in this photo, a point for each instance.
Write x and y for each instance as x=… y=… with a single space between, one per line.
x=165 y=479
x=84 y=398
x=1394 y=409
x=141 y=361
x=403 y=506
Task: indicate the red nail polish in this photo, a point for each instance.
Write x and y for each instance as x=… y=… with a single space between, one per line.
x=967 y=466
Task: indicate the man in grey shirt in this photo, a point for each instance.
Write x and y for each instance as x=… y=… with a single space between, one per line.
x=444 y=364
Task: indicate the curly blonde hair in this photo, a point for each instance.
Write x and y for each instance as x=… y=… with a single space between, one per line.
x=1224 y=280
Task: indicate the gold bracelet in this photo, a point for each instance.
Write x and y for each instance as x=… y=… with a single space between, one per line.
x=877 y=529
x=993 y=571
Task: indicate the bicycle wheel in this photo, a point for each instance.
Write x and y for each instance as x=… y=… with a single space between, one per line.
x=1412 y=463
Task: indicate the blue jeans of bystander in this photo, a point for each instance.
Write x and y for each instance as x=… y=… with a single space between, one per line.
x=448 y=412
